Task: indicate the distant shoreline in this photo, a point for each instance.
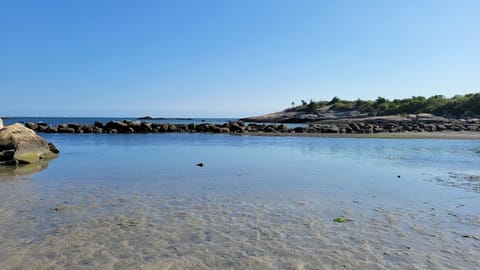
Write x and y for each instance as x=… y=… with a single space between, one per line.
x=365 y=129
x=439 y=135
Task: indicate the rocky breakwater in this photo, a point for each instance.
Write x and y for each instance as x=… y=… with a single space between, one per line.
x=130 y=127
x=386 y=125
x=343 y=126
x=21 y=145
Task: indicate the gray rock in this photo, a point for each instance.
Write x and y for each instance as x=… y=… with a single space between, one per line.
x=330 y=129
x=424 y=115
x=26 y=145
x=441 y=127
x=98 y=124
x=309 y=117
x=283 y=128
x=65 y=130
x=299 y=129
x=31 y=125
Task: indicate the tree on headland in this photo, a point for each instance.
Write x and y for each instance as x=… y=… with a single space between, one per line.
x=333 y=101
x=457 y=106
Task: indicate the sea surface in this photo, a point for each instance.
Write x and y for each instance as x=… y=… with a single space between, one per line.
x=139 y=201
x=104 y=120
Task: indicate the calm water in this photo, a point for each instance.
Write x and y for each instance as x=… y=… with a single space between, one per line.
x=104 y=120
x=91 y=120
x=140 y=202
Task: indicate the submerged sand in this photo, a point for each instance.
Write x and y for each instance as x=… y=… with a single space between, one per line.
x=107 y=229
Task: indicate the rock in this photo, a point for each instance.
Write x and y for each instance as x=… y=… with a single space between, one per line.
x=65 y=130
x=191 y=126
x=217 y=129
x=146 y=127
x=283 y=128
x=299 y=129
x=26 y=146
x=41 y=128
x=98 y=124
x=236 y=127
x=75 y=126
x=354 y=127
x=119 y=127
x=309 y=117
x=148 y=117
x=472 y=127
x=424 y=115
x=31 y=125
x=270 y=129
x=441 y=127
x=311 y=129
x=51 y=130
x=330 y=129
x=53 y=148
x=97 y=130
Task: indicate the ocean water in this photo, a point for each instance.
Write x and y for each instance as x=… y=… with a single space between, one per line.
x=104 y=120
x=138 y=201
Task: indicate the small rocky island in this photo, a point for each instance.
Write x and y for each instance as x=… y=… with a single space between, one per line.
x=20 y=145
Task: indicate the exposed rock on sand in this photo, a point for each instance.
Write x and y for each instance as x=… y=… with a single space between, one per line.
x=21 y=145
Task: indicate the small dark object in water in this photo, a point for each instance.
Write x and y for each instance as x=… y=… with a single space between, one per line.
x=200 y=164
x=56 y=209
x=465 y=236
x=398 y=176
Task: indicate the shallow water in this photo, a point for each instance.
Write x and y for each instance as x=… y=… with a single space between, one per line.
x=139 y=202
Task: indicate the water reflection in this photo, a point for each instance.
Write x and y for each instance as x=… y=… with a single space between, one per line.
x=21 y=170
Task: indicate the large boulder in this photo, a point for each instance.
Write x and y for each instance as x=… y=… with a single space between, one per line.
x=21 y=145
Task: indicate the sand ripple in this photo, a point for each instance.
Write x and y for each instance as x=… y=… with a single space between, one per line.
x=100 y=229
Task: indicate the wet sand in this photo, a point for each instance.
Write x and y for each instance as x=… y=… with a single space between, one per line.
x=105 y=229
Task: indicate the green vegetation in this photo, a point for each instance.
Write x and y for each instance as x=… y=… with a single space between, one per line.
x=457 y=106
x=341 y=220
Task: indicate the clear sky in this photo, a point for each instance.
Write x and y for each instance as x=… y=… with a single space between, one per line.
x=229 y=58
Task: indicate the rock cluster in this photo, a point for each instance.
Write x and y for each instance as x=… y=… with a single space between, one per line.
x=20 y=145
x=128 y=126
x=392 y=126
x=239 y=127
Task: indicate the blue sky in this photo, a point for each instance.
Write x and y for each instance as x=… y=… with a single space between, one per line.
x=217 y=58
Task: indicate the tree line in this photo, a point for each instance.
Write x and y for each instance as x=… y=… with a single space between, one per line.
x=456 y=106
